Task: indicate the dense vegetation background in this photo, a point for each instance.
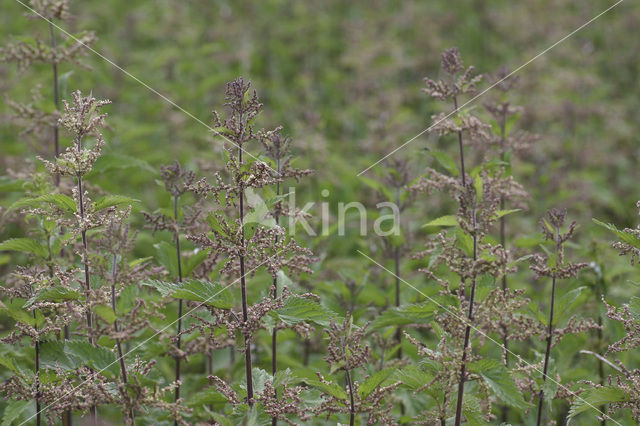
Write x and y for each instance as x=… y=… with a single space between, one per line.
x=345 y=80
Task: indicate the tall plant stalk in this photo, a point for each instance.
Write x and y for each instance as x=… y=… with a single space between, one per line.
x=274 y=340
x=85 y=262
x=243 y=285
x=467 y=333
x=503 y=237
x=180 y=301
x=548 y=350
x=37 y=378
x=554 y=268
x=352 y=409
x=123 y=367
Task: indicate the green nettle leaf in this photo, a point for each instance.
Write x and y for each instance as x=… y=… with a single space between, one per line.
x=260 y=213
x=412 y=377
x=596 y=397
x=499 y=380
x=53 y=294
x=567 y=303
x=634 y=307
x=108 y=162
x=214 y=223
x=510 y=121
x=13 y=412
x=625 y=237
x=297 y=309
x=60 y=200
x=112 y=200
x=15 y=311
x=449 y=220
x=464 y=242
x=477 y=184
x=419 y=313
x=378 y=186
x=10 y=185
x=203 y=291
x=373 y=382
x=329 y=388
x=193 y=261
x=205 y=397
x=25 y=245
x=472 y=411
x=166 y=256
x=501 y=213
x=72 y=354
x=126 y=299
x=105 y=312
x=446 y=162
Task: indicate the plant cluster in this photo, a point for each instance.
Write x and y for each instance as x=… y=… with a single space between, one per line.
x=233 y=319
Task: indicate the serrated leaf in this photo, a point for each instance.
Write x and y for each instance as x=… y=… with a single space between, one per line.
x=205 y=397
x=108 y=162
x=625 y=237
x=105 y=312
x=596 y=397
x=412 y=377
x=17 y=313
x=196 y=290
x=478 y=185
x=193 y=261
x=167 y=257
x=13 y=411
x=378 y=186
x=374 y=381
x=420 y=313
x=449 y=220
x=25 y=245
x=60 y=200
x=499 y=380
x=72 y=354
x=126 y=299
x=567 y=303
x=464 y=242
x=446 y=162
x=329 y=388
x=53 y=294
x=112 y=200
x=297 y=309
x=501 y=213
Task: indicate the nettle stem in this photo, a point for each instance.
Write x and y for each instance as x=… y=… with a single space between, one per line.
x=352 y=409
x=85 y=261
x=274 y=341
x=467 y=333
x=123 y=367
x=548 y=351
x=243 y=289
x=37 y=378
x=396 y=264
x=66 y=416
x=179 y=332
x=505 y=342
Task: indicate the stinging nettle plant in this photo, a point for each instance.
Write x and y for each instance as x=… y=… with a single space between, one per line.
x=621 y=389
x=469 y=254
